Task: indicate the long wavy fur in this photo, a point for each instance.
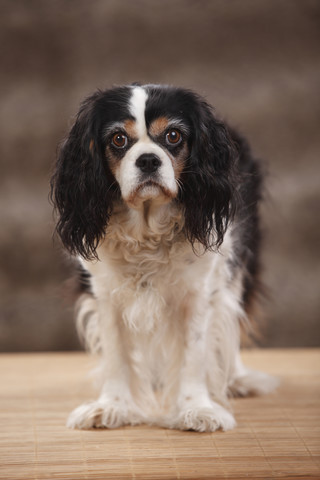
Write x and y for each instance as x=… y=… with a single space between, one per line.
x=83 y=189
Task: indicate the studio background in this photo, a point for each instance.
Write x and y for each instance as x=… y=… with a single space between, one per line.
x=256 y=61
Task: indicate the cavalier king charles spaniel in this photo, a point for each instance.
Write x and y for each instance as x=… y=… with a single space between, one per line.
x=158 y=200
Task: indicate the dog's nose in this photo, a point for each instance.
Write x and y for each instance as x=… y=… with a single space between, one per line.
x=148 y=162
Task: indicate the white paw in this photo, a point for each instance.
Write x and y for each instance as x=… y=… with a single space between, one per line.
x=252 y=383
x=205 y=419
x=104 y=414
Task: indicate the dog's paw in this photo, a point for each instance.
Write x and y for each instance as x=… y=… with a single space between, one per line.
x=252 y=383
x=104 y=414
x=205 y=419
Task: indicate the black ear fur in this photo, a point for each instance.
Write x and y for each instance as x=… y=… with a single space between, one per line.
x=209 y=193
x=82 y=187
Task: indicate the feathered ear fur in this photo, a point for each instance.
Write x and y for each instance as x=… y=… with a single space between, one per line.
x=82 y=187
x=208 y=192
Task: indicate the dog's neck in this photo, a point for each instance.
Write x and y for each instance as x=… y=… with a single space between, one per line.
x=151 y=222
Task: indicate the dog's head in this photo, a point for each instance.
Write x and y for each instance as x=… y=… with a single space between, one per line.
x=135 y=144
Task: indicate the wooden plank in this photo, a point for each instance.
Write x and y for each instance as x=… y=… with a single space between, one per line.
x=277 y=435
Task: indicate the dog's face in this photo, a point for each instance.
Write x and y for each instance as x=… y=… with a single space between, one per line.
x=135 y=144
x=147 y=151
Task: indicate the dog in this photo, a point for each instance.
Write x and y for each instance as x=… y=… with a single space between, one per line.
x=157 y=198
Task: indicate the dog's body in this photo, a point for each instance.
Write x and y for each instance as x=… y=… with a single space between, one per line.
x=158 y=199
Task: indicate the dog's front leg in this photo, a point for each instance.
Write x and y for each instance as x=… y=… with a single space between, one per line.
x=195 y=409
x=115 y=405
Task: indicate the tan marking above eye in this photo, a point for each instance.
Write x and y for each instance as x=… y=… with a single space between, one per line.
x=158 y=126
x=130 y=128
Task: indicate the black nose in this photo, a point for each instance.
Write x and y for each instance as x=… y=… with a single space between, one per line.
x=148 y=162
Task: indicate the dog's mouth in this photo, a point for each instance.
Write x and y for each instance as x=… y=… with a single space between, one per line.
x=150 y=190
x=152 y=186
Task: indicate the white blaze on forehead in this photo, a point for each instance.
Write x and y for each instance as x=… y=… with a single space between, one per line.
x=137 y=109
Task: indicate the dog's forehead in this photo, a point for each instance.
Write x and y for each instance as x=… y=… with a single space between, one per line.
x=139 y=100
x=146 y=110
x=154 y=110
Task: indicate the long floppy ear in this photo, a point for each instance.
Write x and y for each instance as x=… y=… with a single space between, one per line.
x=208 y=193
x=82 y=187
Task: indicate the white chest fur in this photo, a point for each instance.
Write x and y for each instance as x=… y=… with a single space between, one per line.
x=147 y=269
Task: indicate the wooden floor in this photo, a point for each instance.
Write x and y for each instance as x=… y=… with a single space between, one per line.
x=278 y=436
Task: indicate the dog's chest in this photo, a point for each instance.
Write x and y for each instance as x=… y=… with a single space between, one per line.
x=146 y=282
x=144 y=266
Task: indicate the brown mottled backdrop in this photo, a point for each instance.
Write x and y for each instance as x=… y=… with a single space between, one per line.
x=257 y=61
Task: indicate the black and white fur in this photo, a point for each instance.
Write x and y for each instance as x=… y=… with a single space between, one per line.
x=158 y=200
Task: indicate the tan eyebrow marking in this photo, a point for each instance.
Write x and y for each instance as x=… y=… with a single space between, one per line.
x=131 y=128
x=158 y=126
x=129 y=125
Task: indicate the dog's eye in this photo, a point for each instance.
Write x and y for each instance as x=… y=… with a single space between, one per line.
x=119 y=140
x=173 y=137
